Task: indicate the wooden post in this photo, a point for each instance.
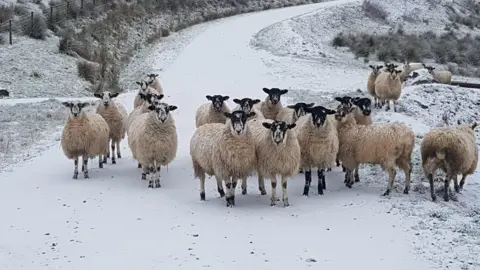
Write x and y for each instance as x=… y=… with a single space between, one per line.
x=10 y=30
x=51 y=15
x=93 y=2
x=31 y=22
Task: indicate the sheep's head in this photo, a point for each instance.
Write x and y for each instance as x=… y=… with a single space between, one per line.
x=319 y=115
x=342 y=112
x=344 y=101
x=390 y=66
x=162 y=110
x=364 y=104
x=217 y=101
x=430 y=69
x=278 y=130
x=151 y=78
x=143 y=86
x=300 y=108
x=106 y=97
x=238 y=121
x=75 y=108
x=151 y=96
x=375 y=69
x=470 y=128
x=394 y=73
x=246 y=103
x=274 y=94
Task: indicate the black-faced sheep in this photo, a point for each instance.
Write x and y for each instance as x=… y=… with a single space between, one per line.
x=292 y=113
x=213 y=111
x=154 y=82
x=388 y=87
x=272 y=104
x=442 y=76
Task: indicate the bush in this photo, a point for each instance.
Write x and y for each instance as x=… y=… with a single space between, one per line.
x=88 y=70
x=374 y=10
x=6 y=13
x=38 y=29
x=3 y=40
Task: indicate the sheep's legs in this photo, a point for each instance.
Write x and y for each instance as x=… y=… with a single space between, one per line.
x=455 y=184
x=220 y=187
x=108 y=150
x=85 y=167
x=432 y=188
x=202 y=187
x=157 y=177
x=113 y=153
x=284 y=191
x=273 y=196
x=230 y=198
x=462 y=182
x=407 y=168
x=100 y=161
x=356 y=175
x=244 y=186
x=144 y=173
x=261 y=185
x=75 y=170
x=446 y=190
x=321 y=181
x=119 y=155
x=391 y=179
x=153 y=180
x=349 y=178
x=308 y=181
x=139 y=165
x=395 y=106
x=388 y=105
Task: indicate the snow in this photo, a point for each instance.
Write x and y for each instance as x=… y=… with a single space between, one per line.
x=112 y=220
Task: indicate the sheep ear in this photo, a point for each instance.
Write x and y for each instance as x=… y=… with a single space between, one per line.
x=83 y=104
x=139 y=83
x=291 y=106
x=98 y=95
x=474 y=125
x=266 y=90
x=67 y=104
x=330 y=111
x=114 y=95
x=255 y=101
x=159 y=96
x=291 y=126
x=236 y=100
x=142 y=96
x=372 y=67
x=251 y=114
x=310 y=105
x=459 y=122
x=172 y=108
x=339 y=99
x=267 y=125
x=209 y=97
x=151 y=107
x=380 y=67
x=225 y=98
x=155 y=75
x=283 y=92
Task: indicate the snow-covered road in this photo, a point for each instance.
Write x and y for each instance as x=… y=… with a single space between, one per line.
x=113 y=221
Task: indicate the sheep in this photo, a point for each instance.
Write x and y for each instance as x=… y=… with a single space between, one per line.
x=454 y=151
x=371 y=82
x=278 y=152
x=224 y=150
x=388 y=87
x=154 y=82
x=248 y=105
x=442 y=76
x=144 y=90
x=363 y=111
x=408 y=68
x=318 y=141
x=116 y=116
x=291 y=113
x=155 y=140
x=272 y=104
x=213 y=111
x=84 y=135
x=384 y=144
x=148 y=100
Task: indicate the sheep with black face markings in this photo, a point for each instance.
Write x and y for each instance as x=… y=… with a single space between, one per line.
x=272 y=104
x=453 y=150
x=142 y=92
x=213 y=111
x=292 y=113
x=84 y=135
x=248 y=105
x=318 y=141
x=442 y=76
x=154 y=82
x=116 y=116
x=388 y=87
x=226 y=151
x=376 y=69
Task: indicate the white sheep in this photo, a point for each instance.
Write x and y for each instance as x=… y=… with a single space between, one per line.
x=272 y=104
x=292 y=113
x=144 y=90
x=154 y=82
x=213 y=111
x=318 y=141
x=116 y=116
x=278 y=153
x=453 y=150
x=388 y=87
x=388 y=145
x=226 y=151
x=408 y=68
x=441 y=76
x=84 y=135
x=155 y=140
x=371 y=82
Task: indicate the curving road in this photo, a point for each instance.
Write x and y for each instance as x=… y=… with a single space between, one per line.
x=113 y=221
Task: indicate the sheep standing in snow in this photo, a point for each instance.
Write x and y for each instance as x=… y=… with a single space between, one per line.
x=278 y=153
x=318 y=141
x=226 y=151
x=154 y=82
x=248 y=105
x=116 y=116
x=213 y=111
x=292 y=113
x=388 y=87
x=388 y=145
x=371 y=82
x=142 y=92
x=84 y=135
x=272 y=104
x=453 y=150
x=408 y=68
x=442 y=76
x=155 y=140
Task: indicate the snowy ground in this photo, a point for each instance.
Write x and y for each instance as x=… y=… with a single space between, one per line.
x=112 y=220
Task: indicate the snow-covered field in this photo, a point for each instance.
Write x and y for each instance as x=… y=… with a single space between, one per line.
x=112 y=220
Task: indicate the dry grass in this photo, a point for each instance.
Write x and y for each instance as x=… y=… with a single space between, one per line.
x=37 y=28
x=6 y=13
x=374 y=11
x=399 y=46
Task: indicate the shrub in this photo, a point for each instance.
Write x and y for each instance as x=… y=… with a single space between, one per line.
x=37 y=29
x=88 y=70
x=6 y=13
x=374 y=10
x=3 y=40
